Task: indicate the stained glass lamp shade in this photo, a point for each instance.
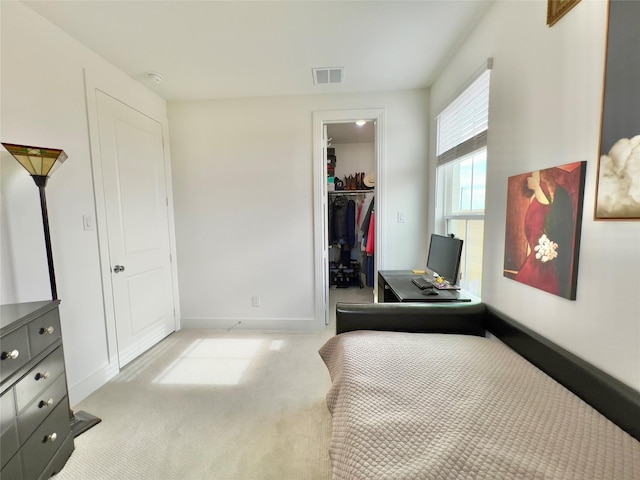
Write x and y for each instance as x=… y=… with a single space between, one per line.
x=38 y=161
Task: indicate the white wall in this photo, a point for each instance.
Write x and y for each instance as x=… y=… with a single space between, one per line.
x=43 y=104
x=355 y=157
x=545 y=107
x=243 y=192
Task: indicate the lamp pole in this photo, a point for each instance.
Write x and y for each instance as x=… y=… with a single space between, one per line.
x=39 y=162
x=41 y=182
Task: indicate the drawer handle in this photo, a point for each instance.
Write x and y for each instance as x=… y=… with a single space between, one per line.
x=50 y=438
x=46 y=403
x=12 y=355
x=48 y=330
x=42 y=376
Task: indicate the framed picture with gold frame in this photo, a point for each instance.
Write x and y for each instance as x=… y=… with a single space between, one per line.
x=618 y=180
x=556 y=9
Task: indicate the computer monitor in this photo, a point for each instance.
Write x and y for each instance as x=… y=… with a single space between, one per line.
x=444 y=257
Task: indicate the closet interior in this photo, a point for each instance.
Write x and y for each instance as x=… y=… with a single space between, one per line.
x=351 y=170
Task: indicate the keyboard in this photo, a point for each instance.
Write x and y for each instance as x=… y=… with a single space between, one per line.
x=422 y=283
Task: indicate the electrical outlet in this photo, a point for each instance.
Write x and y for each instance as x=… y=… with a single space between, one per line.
x=255 y=301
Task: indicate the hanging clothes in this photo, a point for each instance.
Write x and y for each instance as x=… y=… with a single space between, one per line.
x=338 y=230
x=368 y=243
x=365 y=211
x=364 y=228
x=370 y=271
x=351 y=223
x=365 y=222
x=370 y=249
x=342 y=227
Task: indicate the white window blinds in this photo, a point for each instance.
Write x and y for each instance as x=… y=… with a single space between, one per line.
x=462 y=126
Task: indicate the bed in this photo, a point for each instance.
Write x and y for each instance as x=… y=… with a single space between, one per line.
x=458 y=405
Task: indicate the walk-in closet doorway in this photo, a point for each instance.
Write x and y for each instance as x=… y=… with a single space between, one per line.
x=349 y=177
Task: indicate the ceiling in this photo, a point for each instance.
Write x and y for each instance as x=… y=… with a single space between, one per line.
x=221 y=49
x=349 y=132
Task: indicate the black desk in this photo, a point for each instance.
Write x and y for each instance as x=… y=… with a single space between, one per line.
x=396 y=286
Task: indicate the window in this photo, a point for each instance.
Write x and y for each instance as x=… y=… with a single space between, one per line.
x=461 y=175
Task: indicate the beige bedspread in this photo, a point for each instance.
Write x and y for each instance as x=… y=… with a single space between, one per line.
x=443 y=406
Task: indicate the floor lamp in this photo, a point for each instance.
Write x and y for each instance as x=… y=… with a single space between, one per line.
x=40 y=162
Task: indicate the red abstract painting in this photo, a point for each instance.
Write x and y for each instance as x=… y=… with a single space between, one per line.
x=544 y=217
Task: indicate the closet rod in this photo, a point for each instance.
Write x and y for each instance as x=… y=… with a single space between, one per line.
x=350 y=192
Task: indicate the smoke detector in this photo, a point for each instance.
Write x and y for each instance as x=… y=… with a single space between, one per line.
x=328 y=75
x=155 y=77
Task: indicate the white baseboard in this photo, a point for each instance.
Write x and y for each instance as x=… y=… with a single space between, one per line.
x=86 y=387
x=151 y=338
x=261 y=324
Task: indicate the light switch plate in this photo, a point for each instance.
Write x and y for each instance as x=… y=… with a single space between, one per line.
x=89 y=222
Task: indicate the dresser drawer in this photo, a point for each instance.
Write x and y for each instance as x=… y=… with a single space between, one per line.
x=36 y=439
x=39 y=378
x=44 y=331
x=40 y=407
x=45 y=441
x=13 y=469
x=9 y=440
x=14 y=352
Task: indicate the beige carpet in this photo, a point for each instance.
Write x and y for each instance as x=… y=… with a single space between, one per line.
x=215 y=405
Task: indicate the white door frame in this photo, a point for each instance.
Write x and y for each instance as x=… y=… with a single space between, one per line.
x=124 y=94
x=321 y=118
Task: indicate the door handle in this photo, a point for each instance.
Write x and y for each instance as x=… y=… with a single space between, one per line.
x=118 y=269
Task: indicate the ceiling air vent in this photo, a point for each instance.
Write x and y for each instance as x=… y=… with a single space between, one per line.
x=328 y=76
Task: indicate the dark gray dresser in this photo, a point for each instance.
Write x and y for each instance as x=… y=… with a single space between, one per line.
x=36 y=437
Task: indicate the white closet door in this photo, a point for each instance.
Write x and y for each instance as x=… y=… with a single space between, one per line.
x=132 y=153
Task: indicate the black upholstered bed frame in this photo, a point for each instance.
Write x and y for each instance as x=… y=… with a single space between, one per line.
x=612 y=398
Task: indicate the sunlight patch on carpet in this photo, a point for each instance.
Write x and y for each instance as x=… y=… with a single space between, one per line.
x=276 y=345
x=211 y=362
